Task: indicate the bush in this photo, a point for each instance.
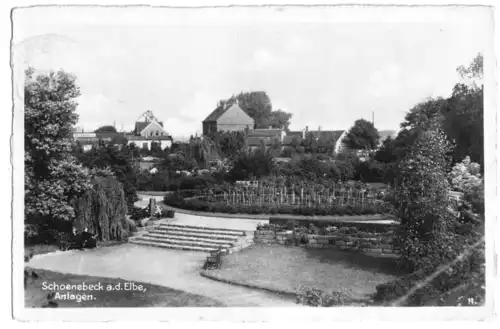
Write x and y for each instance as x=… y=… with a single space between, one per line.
x=317 y=298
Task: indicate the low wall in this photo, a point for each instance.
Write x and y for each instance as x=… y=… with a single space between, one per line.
x=371 y=243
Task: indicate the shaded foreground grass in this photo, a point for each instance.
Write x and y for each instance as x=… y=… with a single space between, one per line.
x=287 y=269
x=150 y=296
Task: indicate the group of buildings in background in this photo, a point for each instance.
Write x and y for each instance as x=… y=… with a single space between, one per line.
x=148 y=130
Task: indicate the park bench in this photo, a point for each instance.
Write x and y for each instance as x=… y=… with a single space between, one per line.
x=214 y=260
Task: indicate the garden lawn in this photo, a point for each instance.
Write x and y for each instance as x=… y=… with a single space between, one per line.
x=287 y=269
x=153 y=296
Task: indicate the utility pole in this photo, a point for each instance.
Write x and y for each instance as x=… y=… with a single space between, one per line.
x=373 y=118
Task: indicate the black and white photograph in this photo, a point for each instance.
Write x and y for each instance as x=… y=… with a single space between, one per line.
x=284 y=158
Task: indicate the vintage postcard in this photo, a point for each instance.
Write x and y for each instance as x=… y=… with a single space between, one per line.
x=254 y=163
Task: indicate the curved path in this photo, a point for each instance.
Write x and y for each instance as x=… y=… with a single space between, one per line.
x=170 y=268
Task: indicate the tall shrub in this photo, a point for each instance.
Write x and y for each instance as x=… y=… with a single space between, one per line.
x=421 y=202
x=102 y=210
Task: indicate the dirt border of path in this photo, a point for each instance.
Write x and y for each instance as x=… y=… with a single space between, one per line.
x=205 y=274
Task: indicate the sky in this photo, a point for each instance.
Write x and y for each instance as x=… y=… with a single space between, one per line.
x=327 y=66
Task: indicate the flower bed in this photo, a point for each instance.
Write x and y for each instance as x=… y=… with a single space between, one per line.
x=321 y=210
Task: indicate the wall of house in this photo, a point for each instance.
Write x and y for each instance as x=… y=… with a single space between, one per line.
x=234 y=118
x=147 y=143
x=339 y=145
x=233 y=127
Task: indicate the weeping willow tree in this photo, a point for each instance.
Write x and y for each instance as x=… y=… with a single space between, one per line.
x=102 y=210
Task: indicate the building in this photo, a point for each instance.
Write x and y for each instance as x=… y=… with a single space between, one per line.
x=145 y=133
x=264 y=137
x=90 y=139
x=148 y=131
x=331 y=137
x=228 y=118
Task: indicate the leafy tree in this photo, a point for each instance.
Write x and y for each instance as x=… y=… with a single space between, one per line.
x=258 y=164
x=421 y=201
x=110 y=156
x=362 y=136
x=53 y=178
x=228 y=143
x=464 y=116
x=278 y=119
x=465 y=176
x=105 y=129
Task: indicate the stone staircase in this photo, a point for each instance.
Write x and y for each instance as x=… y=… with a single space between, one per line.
x=193 y=238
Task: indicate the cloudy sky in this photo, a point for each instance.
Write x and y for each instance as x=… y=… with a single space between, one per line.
x=328 y=67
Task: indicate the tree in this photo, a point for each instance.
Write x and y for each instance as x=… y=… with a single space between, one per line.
x=421 y=202
x=109 y=156
x=362 y=136
x=278 y=119
x=465 y=176
x=53 y=178
x=464 y=116
x=258 y=164
x=105 y=129
x=102 y=209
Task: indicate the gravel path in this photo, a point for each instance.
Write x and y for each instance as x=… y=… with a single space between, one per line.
x=170 y=268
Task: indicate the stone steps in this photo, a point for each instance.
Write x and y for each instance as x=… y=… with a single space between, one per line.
x=207 y=235
x=199 y=229
x=190 y=237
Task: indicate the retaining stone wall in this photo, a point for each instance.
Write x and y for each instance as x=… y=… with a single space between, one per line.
x=374 y=244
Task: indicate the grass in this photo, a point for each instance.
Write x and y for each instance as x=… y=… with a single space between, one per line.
x=150 y=296
x=287 y=269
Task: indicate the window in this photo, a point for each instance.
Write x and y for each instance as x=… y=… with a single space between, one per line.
x=156 y=133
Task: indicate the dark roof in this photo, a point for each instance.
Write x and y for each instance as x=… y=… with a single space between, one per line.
x=256 y=141
x=289 y=139
x=140 y=125
x=147 y=138
x=265 y=133
x=219 y=111
x=332 y=135
x=295 y=133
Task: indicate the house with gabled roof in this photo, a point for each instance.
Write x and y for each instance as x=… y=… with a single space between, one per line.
x=148 y=131
x=229 y=117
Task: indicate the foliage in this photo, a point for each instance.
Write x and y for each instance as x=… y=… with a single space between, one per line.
x=52 y=176
x=102 y=211
x=228 y=143
x=257 y=164
x=421 y=202
x=105 y=129
x=222 y=207
x=362 y=136
x=116 y=159
x=317 y=298
x=465 y=176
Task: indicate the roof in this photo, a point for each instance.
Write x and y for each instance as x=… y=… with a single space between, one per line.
x=332 y=135
x=256 y=141
x=148 y=138
x=140 y=125
x=265 y=133
x=289 y=139
x=219 y=111
x=295 y=133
